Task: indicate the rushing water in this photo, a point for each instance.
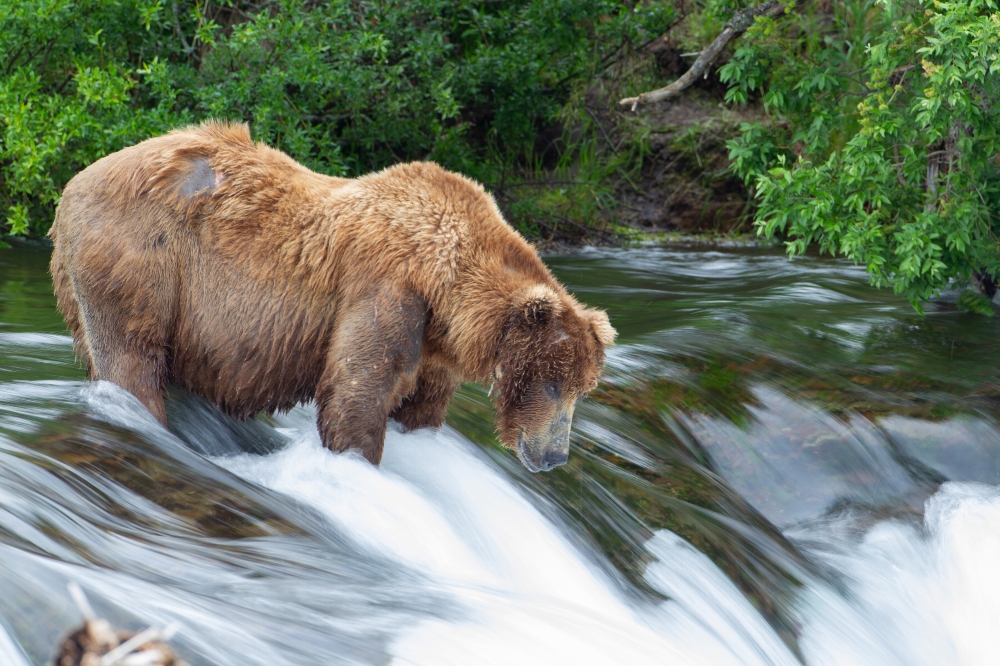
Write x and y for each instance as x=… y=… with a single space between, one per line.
x=782 y=465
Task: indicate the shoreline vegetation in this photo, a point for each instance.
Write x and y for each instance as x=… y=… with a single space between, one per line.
x=862 y=128
x=520 y=95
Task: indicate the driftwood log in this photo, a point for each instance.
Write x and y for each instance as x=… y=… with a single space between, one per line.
x=96 y=643
x=734 y=27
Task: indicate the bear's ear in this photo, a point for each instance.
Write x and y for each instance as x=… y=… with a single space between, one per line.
x=536 y=305
x=601 y=326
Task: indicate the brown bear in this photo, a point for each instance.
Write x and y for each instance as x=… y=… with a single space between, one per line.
x=202 y=259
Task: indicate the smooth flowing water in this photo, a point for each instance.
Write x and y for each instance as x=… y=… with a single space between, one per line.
x=782 y=465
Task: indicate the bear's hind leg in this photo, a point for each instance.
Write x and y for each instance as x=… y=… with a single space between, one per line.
x=427 y=406
x=66 y=302
x=138 y=367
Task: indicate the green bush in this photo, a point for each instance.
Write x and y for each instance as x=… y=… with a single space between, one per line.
x=882 y=143
x=343 y=86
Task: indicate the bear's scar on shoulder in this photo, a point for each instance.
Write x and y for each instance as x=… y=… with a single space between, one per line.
x=202 y=179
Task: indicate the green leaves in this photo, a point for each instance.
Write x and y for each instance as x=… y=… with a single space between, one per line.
x=343 y=86
x=17 y=219
x=974 y=302
x=886 y=154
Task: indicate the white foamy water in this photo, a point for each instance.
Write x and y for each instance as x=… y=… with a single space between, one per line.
x=915 y=597
x=526 y=594
x=529 y=596
x=519 y=591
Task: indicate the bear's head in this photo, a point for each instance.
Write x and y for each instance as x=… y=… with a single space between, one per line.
x=551 y=353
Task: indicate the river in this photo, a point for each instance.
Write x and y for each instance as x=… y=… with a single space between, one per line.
x=782 y=465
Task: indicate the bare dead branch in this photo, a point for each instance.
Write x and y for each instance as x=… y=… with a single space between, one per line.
x=734 y=27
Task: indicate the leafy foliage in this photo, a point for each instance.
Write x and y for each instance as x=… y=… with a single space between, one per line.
x=882 y=143
x=344 y=86
x=972 y=301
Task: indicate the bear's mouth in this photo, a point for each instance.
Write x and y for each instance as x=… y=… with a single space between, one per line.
x=522 y=453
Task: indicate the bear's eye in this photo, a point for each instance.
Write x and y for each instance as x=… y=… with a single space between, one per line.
x=552 y=390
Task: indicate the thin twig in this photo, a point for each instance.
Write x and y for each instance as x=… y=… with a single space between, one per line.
x=137 y=641
x=600 y=127
x=899 y=165
x=180 y=34
x=80 y=599
x=13 y=58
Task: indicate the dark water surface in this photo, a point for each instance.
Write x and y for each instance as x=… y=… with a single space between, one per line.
x=782 y=465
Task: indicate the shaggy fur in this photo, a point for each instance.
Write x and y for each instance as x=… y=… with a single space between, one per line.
x=202 y=259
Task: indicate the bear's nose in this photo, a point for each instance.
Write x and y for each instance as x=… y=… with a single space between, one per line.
x=554 y=459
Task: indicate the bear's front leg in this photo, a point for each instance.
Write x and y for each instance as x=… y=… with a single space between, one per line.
x=428 y=404
x=371 y=366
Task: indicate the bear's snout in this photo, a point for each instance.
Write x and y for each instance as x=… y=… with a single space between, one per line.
x=547 y=449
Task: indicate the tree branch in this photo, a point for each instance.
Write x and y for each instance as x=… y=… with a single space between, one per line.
x=734 y=27
x=188 y=49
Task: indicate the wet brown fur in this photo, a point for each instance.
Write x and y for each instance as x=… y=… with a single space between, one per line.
x=202 y=259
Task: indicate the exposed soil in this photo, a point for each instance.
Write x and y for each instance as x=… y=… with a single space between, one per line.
x=685 y=182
